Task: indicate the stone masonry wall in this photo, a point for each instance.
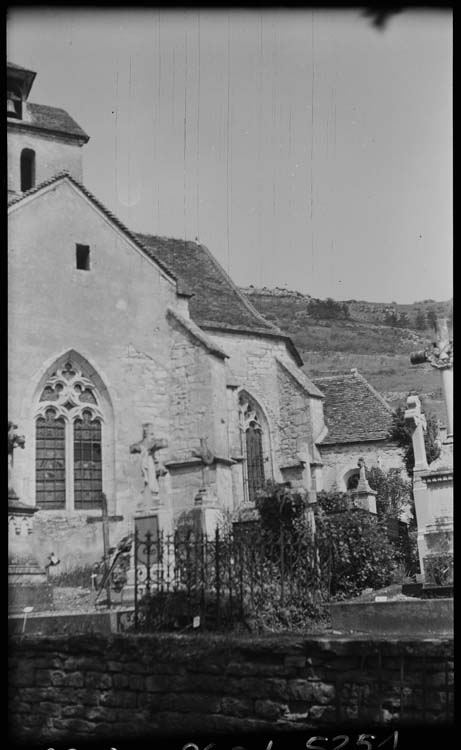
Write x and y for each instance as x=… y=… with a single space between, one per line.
x=340 y=459
x=254 y=366
x=90 y=686
x=295 y=423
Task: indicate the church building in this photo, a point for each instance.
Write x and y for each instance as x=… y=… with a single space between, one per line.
x=137 y=368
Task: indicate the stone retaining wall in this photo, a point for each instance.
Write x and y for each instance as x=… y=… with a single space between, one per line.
x=119 y=686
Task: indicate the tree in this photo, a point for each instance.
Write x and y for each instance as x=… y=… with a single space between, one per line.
x=391 y=319
x=402 y=435
x=394 y=493
x=403 y=321
x=420 y=320
x=432 y=319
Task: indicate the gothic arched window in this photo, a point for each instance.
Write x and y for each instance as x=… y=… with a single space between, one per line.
x=69 y=442
x=254 y=446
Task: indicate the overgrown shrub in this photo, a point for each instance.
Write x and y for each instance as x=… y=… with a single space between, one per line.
x=394 y=493
x=282 y=509
x=402 y=435
x=362 y=555
x=78 y=577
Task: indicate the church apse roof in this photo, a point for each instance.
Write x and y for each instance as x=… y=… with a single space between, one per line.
x=217 y=303
x=353 y=410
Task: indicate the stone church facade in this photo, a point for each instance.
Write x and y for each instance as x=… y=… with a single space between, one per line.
x=136 y=367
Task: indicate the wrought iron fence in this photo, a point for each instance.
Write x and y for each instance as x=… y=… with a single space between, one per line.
x=228 y=580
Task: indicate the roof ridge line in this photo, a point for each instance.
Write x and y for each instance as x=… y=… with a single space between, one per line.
x=239 y=294
x=64 y=174
x=299 y=377
x=200 y=335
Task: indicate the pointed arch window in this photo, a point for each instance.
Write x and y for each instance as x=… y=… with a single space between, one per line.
x=69 y=426
x=255 y=448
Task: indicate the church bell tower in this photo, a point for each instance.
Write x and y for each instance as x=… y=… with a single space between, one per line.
x=42 y=140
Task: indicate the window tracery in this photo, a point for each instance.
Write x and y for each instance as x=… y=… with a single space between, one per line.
x=69 y=423
x=252 y=446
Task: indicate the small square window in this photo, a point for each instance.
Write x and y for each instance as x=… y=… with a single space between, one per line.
x=82 y=257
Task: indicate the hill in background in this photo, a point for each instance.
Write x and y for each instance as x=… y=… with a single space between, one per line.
x=376 y=338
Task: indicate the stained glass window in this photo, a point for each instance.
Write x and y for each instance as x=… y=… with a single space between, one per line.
x=255 y=460
x=87 y=462
x=69 y=423
x=50 y=461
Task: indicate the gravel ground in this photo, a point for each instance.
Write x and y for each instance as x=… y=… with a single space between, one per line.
x=77 y=599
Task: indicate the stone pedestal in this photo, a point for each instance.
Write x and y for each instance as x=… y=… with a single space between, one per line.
x=363 y=496
x=28 y=584
x=206 y=512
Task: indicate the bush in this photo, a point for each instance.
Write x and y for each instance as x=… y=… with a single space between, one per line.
x=281 y=509
x=402 y=435
x=79 y=577
x=394 y=493
x=362 y=555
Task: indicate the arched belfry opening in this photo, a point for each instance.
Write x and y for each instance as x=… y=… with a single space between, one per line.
x=255 y=445
x=27 y=167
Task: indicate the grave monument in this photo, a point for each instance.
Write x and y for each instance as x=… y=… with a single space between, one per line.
x=28 y=584
x=433 y=484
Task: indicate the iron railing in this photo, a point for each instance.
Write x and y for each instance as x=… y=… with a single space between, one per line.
x=219 y=582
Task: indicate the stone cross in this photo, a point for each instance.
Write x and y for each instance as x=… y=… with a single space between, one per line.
x=207 y=457
x=440 y=356
x=105 y=541
x=151 y=467
x=416 y=421
x=14 y=441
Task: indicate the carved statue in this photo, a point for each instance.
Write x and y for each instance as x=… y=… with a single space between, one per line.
x=14 y=441
x=204 y=452
x=208 y=459
x=440 y=353
x=362 y=466
x=151 y=466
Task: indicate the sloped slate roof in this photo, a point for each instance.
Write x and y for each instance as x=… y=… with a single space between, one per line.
x=17 y=67
x=301 y=378
x=353 y=410
x=53 y=120
x=217 y=303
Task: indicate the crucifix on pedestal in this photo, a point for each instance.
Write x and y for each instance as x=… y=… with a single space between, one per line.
x=208 y=458
x=14 y=441
x=151 y=467
x=440 y=356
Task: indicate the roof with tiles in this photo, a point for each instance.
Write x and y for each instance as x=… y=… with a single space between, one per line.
x=217 y=303
x=354 y=411
x=51 y=120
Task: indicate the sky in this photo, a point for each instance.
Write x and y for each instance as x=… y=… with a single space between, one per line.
x=305 y=148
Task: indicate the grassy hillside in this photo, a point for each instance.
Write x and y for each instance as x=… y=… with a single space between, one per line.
x=334 y=337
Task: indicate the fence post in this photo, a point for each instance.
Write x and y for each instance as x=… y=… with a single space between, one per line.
x=282 y=568
x=148 y=552
x=218 y=578
x=135 y=579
